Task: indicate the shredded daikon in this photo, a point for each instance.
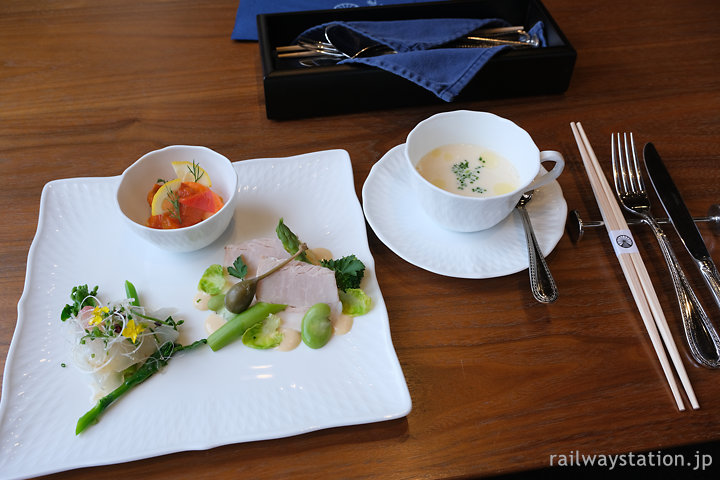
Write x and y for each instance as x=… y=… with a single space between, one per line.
x=109 y=339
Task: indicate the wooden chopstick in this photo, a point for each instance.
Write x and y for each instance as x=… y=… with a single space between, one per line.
x=635 y=273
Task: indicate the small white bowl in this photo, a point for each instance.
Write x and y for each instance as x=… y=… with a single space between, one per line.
x=138 y=179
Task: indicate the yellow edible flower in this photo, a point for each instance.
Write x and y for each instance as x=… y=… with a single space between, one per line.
x=97 y=316
x=132 y=330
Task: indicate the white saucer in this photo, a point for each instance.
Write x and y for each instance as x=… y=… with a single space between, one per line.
x=398 y=221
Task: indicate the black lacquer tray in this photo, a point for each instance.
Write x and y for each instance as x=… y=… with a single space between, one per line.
x=296 y=91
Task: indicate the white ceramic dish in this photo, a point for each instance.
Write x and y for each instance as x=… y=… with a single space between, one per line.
x=136 y=181
x=403 y=226
x=194 y=403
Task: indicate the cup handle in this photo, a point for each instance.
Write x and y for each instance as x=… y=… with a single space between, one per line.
x=547 y=177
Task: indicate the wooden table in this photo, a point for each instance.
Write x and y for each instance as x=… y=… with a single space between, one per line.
x=499 y=382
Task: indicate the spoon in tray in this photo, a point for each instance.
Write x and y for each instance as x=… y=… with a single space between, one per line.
x=542 y=284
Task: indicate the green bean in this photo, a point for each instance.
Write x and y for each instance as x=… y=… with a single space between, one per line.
x=316 y=328
x=153 y=364
x=236 y=326
x=130 y=292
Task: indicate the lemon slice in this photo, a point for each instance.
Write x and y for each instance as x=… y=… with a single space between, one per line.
x=161 y=201
x=190 y=171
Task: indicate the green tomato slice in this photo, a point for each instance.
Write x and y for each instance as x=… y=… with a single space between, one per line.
x=264 y=334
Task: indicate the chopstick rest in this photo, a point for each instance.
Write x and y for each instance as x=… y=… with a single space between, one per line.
x=635 y=273
x=575 y=225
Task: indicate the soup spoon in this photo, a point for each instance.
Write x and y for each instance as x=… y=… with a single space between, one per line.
x=542 y=284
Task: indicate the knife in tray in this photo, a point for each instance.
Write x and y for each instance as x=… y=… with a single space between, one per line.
x=681 y=219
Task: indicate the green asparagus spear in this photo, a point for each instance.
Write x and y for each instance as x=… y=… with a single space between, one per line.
x=152 y=365
x=290 y=241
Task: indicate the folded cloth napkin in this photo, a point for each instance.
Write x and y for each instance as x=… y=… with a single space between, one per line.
x=248 y=10
x=443 y=71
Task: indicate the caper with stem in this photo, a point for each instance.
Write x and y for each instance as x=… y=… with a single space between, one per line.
x=240 y=295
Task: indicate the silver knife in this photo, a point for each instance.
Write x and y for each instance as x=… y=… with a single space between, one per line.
x=681 y=219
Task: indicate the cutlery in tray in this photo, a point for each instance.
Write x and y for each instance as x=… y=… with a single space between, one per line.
x=292 y=90
x=334 y=44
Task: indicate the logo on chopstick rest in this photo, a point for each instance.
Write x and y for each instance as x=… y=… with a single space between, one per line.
x=623 y=242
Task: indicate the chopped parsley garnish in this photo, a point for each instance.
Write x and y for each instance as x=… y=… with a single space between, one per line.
x=466 y=176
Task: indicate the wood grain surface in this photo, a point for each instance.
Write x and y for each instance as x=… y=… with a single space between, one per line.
x=499 y=382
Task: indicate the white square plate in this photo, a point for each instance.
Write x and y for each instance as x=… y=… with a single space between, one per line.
x=202 y=399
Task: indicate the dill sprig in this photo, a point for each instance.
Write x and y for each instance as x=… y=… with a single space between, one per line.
x=195 y=171
x=174 y=210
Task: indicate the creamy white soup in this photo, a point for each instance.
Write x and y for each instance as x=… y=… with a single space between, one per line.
x=468 y=169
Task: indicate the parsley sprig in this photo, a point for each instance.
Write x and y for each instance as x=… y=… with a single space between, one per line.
x=349 y=271
x=239 y=268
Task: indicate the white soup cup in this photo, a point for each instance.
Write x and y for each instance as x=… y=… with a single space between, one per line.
x=463 y=213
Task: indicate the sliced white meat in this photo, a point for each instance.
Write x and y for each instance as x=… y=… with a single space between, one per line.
x=254 y=252
x=298 y=284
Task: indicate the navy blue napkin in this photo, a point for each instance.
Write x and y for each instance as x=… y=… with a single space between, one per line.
x=443 y=71
x=248 y=10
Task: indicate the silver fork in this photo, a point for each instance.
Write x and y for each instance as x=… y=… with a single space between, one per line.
x=702 y=338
